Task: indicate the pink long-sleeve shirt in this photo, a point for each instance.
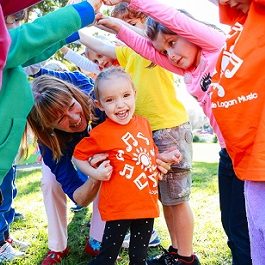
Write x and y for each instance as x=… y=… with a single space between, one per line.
x=4 y=44
x=209 y=39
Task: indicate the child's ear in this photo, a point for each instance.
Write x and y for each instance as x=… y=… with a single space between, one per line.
x=98 y=105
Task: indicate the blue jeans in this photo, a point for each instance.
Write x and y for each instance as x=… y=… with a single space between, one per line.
x=233 y=212
x=6 y=211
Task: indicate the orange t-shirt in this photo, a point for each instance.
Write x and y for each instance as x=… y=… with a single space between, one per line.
x=132 y=191
x=238 y=94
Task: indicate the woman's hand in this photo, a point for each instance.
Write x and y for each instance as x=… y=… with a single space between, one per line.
x=102 y=168
x=96 y=159
x=114 y=2
x=96 y=167
x=104 y=171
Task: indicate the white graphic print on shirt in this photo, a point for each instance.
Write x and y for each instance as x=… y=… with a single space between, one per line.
x=139 y=149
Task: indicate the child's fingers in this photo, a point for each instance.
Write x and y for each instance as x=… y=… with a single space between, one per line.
x=70 y=2
x=160 y=176
x=112 y=2
x=162 y=166
x=97 y=158
x=108 y=2
x=99 y=16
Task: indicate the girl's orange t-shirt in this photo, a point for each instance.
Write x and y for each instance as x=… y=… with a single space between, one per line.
x=132 y=191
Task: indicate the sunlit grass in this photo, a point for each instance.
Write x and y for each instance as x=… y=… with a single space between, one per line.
x=209 y=238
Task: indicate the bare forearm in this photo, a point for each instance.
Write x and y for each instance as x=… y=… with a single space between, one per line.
x=87 y=192
x=97 y=45
x=85 y=167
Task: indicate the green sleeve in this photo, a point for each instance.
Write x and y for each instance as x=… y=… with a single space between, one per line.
x=45 y=54
x=33 y=39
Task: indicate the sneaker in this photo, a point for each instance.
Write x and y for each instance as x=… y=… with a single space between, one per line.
x=154 y=240
x=18 y=216
x=194 y=261
x=76 y=208
x=18 y=244
x=92 y=247
x=54 y=257
x=169 y=257
x=7 y=253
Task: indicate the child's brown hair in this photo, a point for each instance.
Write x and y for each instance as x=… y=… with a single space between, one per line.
x=123 y=12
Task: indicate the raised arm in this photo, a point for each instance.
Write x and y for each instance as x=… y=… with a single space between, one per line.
x=80 y=61
x=138 y=43
x=97 y=45
x=196 y=32
x=32 y=39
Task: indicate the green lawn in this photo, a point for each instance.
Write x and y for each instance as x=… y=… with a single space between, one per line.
x=209 y=238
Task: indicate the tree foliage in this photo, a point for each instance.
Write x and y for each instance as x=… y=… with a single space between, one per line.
x=50 y=5
x=47 y=6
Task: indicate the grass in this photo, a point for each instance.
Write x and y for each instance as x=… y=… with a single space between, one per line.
x=209 y=238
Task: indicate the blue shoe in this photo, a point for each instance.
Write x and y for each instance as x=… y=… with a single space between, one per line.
x=154 y=240
x=18 y=216
x=77 y=208
x=92 y=247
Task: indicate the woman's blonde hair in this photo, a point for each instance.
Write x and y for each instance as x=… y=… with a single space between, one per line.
x=51 y=96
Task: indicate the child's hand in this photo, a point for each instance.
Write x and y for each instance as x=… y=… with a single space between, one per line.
x=106 y=23
x=114 y=2
x=64 y=50
x=171 y=156
x=95 y=3
x=104 y=171
x=166 y=159
x=162 y=166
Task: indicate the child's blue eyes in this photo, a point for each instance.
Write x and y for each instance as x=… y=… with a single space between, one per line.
x=125 y=96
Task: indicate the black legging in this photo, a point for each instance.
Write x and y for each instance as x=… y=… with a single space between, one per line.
x=114 y=233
